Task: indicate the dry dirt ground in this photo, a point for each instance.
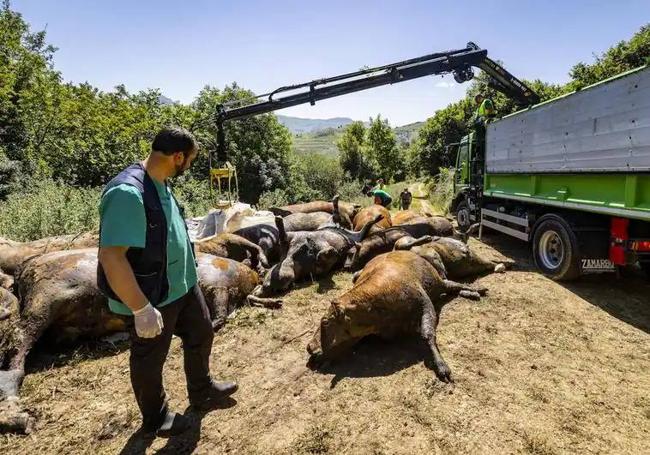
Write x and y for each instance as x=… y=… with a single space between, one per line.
x=539 y=367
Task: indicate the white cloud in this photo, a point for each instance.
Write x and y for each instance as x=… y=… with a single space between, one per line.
x=444 y=84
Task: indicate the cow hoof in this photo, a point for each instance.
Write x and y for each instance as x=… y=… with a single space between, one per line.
x=471 y=295
x=443 y=372
x=217 y=324
x=500 y=268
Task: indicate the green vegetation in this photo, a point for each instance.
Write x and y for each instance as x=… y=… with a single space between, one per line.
x=427 y=153
x=371 y=153
x=61 y=142
x=322 y=142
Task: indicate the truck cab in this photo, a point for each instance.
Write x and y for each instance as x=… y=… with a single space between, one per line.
x=468 y=178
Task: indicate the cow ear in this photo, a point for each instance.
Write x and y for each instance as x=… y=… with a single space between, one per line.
x=336 y=310
x=326 y=253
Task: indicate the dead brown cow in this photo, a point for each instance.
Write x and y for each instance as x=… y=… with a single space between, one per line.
x=226 y=284
x=370 y=213
x=457 y=258
x=394 y=295
x=60 y=300
x=316 y=206
x=384 y=241
x=404 y=216
x=13 y=254
x=235 y=247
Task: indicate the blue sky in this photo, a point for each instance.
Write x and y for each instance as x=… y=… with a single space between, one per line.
x=180 y=46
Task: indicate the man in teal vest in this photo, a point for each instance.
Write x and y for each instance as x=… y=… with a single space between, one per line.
x=148 y=270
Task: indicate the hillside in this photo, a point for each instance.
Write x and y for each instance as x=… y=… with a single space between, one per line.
x=407 y=133
x=322 y=142
x=311 y=125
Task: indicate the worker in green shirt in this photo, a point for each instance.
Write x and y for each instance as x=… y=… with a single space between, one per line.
x=147 y=269
x=485 y=109
x=381 y=197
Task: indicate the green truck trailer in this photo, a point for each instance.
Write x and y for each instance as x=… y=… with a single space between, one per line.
x=570 y=175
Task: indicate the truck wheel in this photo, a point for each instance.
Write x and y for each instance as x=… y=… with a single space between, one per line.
x=555 y=249
x=462 y=216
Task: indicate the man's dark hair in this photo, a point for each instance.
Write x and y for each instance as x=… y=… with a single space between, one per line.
x=172 y=140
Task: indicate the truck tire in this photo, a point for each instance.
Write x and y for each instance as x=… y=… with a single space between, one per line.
x=555 y=249
x=462 y=216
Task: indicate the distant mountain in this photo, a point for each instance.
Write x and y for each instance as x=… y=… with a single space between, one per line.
x=162 y=99
x=405 y=134
x=311 y=125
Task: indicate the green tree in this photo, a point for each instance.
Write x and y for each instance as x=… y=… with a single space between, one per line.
x=447 y=126
x=382 y=152
x=350 y=145
x=25 y=67
x=257 y=146
x=322 y=173
x=622 y=57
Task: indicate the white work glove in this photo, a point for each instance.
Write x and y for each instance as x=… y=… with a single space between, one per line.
x=148 y=322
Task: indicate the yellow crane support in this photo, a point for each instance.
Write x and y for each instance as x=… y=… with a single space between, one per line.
x=222 y=191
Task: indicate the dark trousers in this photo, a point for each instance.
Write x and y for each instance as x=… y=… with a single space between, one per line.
x=187 y=317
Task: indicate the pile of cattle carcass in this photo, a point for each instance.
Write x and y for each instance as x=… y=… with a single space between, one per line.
x=402 y=266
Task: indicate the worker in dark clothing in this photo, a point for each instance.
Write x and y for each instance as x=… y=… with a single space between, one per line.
x=405 y=198
x=381 y=197
x=147 y=269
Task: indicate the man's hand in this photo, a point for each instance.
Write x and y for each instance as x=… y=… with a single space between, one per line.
x=148 y=322
x=121 y=278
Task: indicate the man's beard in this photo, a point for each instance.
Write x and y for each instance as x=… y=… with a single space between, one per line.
x=180 y=169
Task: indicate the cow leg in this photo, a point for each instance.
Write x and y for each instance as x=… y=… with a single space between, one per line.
x=428 y=331
x=452 y=287
x=256 y=253
x=406 y=243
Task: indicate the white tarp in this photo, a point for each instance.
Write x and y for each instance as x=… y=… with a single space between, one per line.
x=233 y=218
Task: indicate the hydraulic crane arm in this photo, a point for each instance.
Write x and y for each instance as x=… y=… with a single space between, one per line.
x=459 y=62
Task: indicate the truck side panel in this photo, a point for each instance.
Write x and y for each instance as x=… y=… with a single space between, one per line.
x=615 y=194
x=602 y=128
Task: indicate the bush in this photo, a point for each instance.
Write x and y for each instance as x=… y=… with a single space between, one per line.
x=441 y=189
x=321 y=173
x=350 y=191
x=275 y=198
x=49 y=208
x=194 y=195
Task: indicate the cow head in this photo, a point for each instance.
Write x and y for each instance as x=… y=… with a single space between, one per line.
x=299 y=260
x=332 y=337
x=340 y=217
x=353 y=260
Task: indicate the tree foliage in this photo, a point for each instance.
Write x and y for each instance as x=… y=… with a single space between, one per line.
x=369 y=153
x=624 y=56
x=449 y=125
x=80 y=135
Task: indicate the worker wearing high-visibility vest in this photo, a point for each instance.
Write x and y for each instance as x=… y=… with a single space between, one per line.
x=485 y=109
